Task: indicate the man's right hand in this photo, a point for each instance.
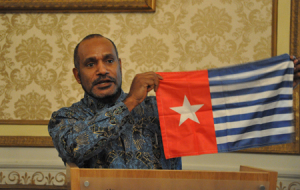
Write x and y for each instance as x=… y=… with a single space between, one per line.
x=140 y=86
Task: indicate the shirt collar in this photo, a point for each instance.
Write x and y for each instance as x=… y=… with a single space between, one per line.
x=95 y=103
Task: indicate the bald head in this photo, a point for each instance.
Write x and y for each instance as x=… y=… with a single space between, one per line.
x=76 y=55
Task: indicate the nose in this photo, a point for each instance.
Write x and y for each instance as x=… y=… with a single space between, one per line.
x=101 y=69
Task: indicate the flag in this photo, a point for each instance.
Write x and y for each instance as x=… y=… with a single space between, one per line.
x=226 y=109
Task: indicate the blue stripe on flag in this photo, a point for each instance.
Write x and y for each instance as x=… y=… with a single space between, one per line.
x=258 y=127
x=254 y=102
x=255 y=142
x=252 y=78
x=251 y=90
x=250 y=67
x=249 y=116
x=238 y=127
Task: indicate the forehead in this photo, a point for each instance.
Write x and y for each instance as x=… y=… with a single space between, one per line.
x=95 y=47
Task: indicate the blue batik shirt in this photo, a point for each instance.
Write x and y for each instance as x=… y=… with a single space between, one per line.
x=96 y=135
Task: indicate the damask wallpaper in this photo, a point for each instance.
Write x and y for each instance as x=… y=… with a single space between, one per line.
x=36 y=50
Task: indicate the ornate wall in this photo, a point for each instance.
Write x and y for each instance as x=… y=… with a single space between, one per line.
x=36 y=49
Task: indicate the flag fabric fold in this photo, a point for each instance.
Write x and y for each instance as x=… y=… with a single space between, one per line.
x=226 y=109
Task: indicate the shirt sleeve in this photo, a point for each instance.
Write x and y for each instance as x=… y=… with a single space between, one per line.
x=78 y=134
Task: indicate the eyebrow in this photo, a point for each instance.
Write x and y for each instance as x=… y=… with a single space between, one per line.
x=106 y=56
x=89 y=60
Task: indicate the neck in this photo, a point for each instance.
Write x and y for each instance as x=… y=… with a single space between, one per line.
x=108 y=99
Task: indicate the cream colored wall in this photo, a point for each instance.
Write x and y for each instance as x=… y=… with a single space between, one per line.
x=181 y=35
x=37 y=49
x=283 y=39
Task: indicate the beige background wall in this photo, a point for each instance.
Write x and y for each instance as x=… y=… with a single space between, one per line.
x=37 y=49
x=36 y=61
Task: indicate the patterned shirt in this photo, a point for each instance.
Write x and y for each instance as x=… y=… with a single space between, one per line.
x=96 y=135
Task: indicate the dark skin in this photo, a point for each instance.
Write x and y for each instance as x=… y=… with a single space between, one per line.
x=98 y=59
x=140 y=86
x=296 y=70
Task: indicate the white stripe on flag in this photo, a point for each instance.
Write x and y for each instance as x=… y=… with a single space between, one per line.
x=257 y=83
x=247 y=74
x=252 y=109
x=246 y=123
x=255 y=134
x=250 y=97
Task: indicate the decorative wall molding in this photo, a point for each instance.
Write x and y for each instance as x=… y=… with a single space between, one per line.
x=288 y=185
x=19 y=177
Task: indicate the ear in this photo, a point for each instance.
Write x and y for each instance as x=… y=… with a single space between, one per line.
x=76 y=75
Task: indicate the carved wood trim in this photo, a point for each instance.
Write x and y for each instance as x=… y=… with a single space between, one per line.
x=274 y=27
x=24 y=122
x=295 y=27
x=29 y=6
x=25 y=141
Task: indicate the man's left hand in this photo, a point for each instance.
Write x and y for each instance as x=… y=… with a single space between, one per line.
x=296 y=70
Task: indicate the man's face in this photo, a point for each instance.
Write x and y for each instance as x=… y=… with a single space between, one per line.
x=99 y=68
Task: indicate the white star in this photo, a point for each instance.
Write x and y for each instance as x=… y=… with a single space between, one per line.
x=187 y=111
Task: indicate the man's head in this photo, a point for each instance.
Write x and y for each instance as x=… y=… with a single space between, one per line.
x=98 y=68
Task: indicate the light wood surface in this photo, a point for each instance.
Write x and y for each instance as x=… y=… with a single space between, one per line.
x=272 y=174
x=249 y=174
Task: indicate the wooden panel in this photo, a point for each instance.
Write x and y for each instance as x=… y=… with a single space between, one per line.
x=25 y=141
x=174 y=174
x=178 y=174
x=295 y=27
x=24 y=122
x=274 y=27
x=246 y=174
x=9 y=6
x=272 y=175
x=73 y=176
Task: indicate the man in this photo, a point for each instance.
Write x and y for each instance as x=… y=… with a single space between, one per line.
x=108 y=128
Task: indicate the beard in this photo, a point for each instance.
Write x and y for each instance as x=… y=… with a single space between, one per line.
x=106 y=98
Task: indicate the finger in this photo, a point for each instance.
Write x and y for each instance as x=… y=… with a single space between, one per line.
x=153 y=76
x=154 y=85
x=297 y=68
x=159 y=76
x=150 y=80
x=156 y=82
x=148 y=83
x=292 y=57
x=150 y=87
x=297 y=76
x=296 y=61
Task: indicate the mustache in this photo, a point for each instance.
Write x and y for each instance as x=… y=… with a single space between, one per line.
x=102 y=79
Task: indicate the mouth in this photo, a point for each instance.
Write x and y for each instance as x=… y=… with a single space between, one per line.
x=103 y=84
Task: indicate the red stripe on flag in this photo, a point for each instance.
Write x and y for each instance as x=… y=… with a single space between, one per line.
x=184 y=134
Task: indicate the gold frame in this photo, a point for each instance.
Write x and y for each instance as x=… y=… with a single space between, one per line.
x=292 y=148
x=79 y=6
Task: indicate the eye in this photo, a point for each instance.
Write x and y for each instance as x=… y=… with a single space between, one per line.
x=110 y=60
x=90 y=64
